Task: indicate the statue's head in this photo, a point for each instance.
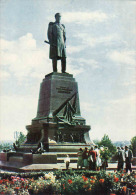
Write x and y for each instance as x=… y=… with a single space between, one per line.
x=58 y=17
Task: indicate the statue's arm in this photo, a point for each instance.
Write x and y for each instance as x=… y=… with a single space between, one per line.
x=64 y=33
x=49 y=32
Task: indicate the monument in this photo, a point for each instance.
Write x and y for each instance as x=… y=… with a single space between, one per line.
x=58 y=124
x=58 y=114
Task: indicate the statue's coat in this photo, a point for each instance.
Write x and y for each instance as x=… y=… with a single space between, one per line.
x=57 y=39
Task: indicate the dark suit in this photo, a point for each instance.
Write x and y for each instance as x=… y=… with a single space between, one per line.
x=120 y=156
x=128 y=158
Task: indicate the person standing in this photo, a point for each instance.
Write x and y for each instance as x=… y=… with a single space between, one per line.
x=120 y=158
x=123 y=153
x=57 y=40
x=67 y=161
x=92 y=159
x=98 y=159
x=85 y=158
x=128 y=157
x=80 y=158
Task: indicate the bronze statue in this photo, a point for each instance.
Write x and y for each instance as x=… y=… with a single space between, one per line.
x=57 y=41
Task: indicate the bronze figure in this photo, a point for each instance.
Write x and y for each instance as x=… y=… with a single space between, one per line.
x=57 y=41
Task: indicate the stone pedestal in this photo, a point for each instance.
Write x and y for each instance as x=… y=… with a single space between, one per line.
x=55 y=89
x=58 y=120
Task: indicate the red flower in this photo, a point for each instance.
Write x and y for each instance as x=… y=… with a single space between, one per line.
x=124 y=189
x=85 y=186
x=1 y=181
x=17 y=188
x=116 y=179
x=69 y=181
x=64 y=186
x=92 y=181
x=85 y=178
x=122 y=174
x=93 y=177
x=101 y=180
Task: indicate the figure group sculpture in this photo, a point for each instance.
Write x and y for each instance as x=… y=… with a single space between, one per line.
x=57 y=40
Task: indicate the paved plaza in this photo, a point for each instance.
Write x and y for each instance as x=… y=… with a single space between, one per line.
x=18 y=167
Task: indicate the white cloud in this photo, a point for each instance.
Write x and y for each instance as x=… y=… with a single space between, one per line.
x=74 y=49
x=123 y=57
x=87 y=107
x=16 y=113
x=115 y=118
x=84 y=17
x=74 y=70
x=129 y=100
x=22 y=57
x=121 y=113
x=76 y=66
x=27 y=42
x=93 y=41
x=4 y=75
x=91 y=63
x=128 y=83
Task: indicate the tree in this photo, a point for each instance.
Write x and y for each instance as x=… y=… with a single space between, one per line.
x=20 y=139
x=106 y=142
x=133 y=146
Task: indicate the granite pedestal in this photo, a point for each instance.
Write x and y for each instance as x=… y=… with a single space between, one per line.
x=58 y=116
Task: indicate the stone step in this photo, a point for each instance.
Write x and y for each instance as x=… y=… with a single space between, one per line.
x=61 y=160
x=16 y=159
x=66 y=153
x=65 y=148
x=15 y=154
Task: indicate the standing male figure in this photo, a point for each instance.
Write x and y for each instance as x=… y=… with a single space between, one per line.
x=128 y=157
x=92 y=156
x=85 y=157
x=57 y=40
x=120 y=157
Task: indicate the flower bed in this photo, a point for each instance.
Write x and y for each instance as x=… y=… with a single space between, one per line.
x=69 y=182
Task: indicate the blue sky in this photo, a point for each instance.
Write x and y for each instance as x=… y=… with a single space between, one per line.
x=101 y=43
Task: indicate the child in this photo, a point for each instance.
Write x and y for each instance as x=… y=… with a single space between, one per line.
x=67 y=161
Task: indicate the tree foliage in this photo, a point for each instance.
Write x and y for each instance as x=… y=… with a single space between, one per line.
x=106 y=142
x=5 y=146
x=133 y=146
x=20 y=139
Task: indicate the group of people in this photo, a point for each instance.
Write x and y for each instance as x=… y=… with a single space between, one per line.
x=90 y=159
x=124 y=155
